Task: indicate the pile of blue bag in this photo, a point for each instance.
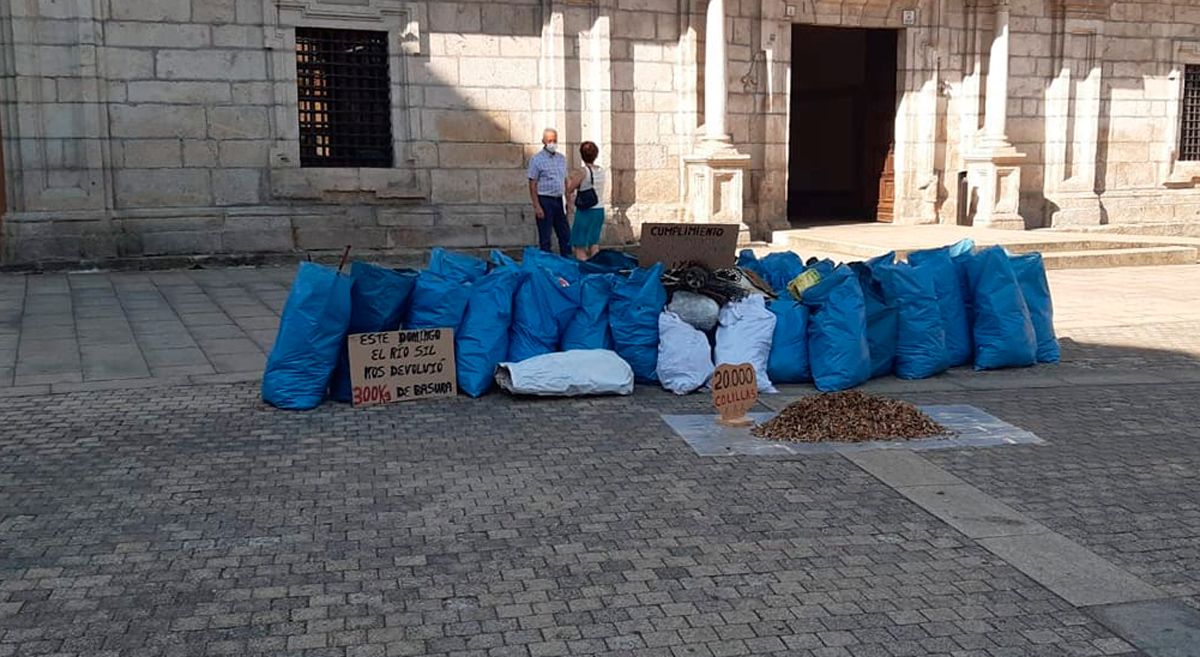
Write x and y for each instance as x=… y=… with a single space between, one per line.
x=836 y=325
x=842 y=325
x=501 y=311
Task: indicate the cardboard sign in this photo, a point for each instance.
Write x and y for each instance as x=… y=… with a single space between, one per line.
x=711 y=245
x=402 y=366
x=735 y=392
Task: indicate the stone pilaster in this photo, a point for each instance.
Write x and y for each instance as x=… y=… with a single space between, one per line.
x=715 y=171
x=993 y=165
x=1073 y=115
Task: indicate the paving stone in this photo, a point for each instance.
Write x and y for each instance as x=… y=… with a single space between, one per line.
x=191 y=356
x=1070 y=570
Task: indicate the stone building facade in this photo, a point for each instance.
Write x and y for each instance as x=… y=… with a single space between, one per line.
x=174 y=127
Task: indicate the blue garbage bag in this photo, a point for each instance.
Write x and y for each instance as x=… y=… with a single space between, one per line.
x=788 y=362
x=955 y=321
x=1031 y=275
x=311 y=334
x=482 y=339
x=633 y=317
x=1003 y=330
x=747 y=260
x=545 y=303
x=588 y=329
x=838 y=353
x=959 y=253
x=921 y=340
x=778 y=269
x=378 y=301
x=609 y=261
x=501 y=259
x=882 y=322
x=437 y=302
x=568 y=268
x=885 y=259
x=456 y=266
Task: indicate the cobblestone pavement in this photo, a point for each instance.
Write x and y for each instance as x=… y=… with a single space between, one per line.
x=158 y=519
x=193 y=520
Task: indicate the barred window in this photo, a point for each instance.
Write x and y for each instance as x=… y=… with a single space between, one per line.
x=344 y=94
x=1189 y=129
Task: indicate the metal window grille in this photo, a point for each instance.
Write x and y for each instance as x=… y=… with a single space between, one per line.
x=1189 y=130
x=344 y=98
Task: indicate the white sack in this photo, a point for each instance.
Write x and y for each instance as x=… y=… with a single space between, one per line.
x=568 y=374
x=744 y=336
x=684 y=355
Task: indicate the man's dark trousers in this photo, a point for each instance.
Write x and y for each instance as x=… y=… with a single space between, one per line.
x=554 y=216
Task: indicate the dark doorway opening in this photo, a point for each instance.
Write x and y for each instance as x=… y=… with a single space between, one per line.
x=843 y=119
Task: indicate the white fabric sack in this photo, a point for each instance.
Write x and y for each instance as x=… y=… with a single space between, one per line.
x=684 y=355
x=744 y=336
x=568 y=374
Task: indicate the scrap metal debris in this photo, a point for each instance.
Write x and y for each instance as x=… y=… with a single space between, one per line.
x=849 y=417
x=694 y=277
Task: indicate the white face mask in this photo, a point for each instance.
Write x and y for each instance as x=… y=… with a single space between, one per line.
x=552 y=147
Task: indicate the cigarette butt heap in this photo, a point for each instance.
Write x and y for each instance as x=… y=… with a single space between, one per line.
x=848 y=417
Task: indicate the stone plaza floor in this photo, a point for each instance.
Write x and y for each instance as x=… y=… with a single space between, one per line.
x=150 y=504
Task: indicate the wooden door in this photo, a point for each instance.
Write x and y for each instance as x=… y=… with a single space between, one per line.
x=887 y=189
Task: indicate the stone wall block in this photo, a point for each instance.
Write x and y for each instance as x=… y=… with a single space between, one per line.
x=480 y=156
x=454 y=186
x=156 y=35
x=199 y=153
x=214 y=11
x=497 y=72
x=511 y=235
x=128 y=64
x=410 y=218
x=440 y=125
x=181 y=243
x=211 y=65
x=154 y=188
x=237 y=186
x=151 y=153
x=175 y=11
x=238 y=122
x=241 y=153
x=157 y=91
x=157 y=121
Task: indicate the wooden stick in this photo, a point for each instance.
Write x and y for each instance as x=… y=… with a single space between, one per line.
x=345 y=257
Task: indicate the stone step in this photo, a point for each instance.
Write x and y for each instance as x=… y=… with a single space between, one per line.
x=1080 y=253
x=1131 y=257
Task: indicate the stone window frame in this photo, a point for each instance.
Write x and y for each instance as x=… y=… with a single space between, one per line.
x=1179 y=173
x=401 y=21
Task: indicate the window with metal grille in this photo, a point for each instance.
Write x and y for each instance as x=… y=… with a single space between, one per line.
x=344 y=98
x=1189 y=129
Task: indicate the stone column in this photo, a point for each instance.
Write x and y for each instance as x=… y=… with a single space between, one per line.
x=993 y=171
x=715 y=83
x=996 y=103
x=715 y=171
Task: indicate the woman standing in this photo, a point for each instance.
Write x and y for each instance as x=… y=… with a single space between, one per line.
x=585 y=188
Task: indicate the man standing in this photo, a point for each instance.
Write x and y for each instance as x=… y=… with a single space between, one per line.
x=547 y=185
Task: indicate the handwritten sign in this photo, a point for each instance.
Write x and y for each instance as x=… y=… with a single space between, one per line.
x=711 y=245
x=735 y=391
x=402 y=366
